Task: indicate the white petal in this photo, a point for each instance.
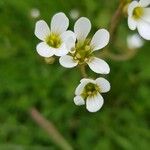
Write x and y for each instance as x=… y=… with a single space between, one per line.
x=134 y=41
x=81 y=86
x=131 y=7
x=41 y=30
x=78 y=100
x=94 y=103
x=103 y=84
x=44 y=50
x=61 y=51
x=146 y=16
x=82 y=28
x=132 y=23
x=65 y=35
x=144 y=29
x=144 y=3
x=59 y=23
x=99 y=66
x=87 y=80
x=67 y=61
x=69 y=38
x=100 y=39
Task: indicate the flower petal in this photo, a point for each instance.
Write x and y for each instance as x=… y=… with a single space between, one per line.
x=131 y=7
x=81 y=86
x=144 y=3
x=146 y=16
x=59 y=23
x=94 y=103
x=134 y=41
x=132 y=23
x=78 y=100
x=82 y=28
x=99 y=66
x=61 y=51
x=44 y=50
x=87 y=80
x=100 y=39
x=41 y=30
x=144 y=29
x=69 y=39
x=67 y=61
x=103 y=84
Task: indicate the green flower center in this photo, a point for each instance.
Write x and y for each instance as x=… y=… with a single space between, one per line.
x=137 y=12
x=54 y=40
x=90 y=89
x=82 y=51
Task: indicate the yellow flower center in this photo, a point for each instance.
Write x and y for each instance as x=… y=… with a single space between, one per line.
x=90 y=89
x=137 y=12
x=82 y=51
x=54 y=40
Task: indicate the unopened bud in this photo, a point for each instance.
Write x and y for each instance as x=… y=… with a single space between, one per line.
x=49 y=60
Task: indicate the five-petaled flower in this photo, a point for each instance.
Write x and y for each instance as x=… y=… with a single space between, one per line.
x=89 y=92
x=82 y=51
x=139 y=17
x=55 y=40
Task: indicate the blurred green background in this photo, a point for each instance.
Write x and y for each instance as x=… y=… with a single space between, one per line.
x=25 y=81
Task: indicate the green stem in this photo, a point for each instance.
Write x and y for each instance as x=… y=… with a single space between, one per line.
x=83 y=71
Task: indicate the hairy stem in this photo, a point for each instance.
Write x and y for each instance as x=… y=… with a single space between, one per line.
x=50 y=129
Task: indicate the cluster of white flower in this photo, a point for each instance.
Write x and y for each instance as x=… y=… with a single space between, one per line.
x=74 y=48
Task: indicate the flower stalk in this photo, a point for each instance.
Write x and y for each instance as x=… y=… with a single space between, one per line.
x=83 y=71
x=50 y=129
x=115 y=20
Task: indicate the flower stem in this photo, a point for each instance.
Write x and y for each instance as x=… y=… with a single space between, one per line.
x=50 y=129
x=83 y=71
x=119 y=57
x=115 y=20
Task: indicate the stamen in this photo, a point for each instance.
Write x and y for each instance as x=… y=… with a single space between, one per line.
x=82 y=51
x=90 y=89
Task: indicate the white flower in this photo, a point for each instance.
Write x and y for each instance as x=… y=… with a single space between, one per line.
x=134 y=41
x=139 y=17
x=89 y=92
x=55 y=40
x=82 y=52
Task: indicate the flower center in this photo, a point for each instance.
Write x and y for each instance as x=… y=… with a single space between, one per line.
x=137 y=13
x=82 y=51
x=54 y=40
x=90 y=89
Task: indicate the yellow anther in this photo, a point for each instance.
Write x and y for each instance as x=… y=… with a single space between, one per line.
x=78 y=55
x=89 y=93
x=87 y=47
